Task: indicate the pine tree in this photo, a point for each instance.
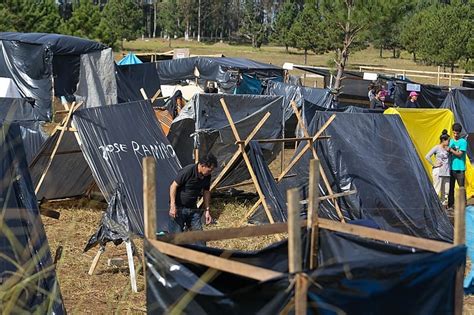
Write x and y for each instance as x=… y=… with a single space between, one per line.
x=282 y=26
x=31 y=15
x=308 y=31
x=253 y=22
x=84 y=21
x=121 y=19
x=169 y=19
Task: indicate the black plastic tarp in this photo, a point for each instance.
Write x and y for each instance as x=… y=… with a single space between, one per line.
x=385 y=279
x=205 y=117
x=225 y=71
x=114 y=148
x=24 y=249
x=30 y=67
x=461 y=103
x=373 y=154
x=21 y=111
x=430 y=96
x=58 y=44
x=68 y=176
x=131 y=78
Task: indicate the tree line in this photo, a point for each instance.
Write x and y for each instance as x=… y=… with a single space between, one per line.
x=435 y=32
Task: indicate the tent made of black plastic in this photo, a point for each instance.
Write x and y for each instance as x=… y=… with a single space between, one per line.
x=233 y=75
x=374 y=155
x=461 y=103
x=41 y=63
x=430 y=96
x=26 y=266
x=203 y=124
x=355 y=276
x=114 y=148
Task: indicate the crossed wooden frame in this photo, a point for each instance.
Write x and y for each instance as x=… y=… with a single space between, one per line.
x=169 y=244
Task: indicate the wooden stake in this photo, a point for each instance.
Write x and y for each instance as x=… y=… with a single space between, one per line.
x=247 y=162
x=131 y=266
x=95 y=261
x=149 y=196
x=294 y=231
x=301 y=294
x=313 y=208
x=155 y=97
x=145 y=97
x=459 y=239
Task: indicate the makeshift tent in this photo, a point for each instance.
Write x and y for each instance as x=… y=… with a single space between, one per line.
x=461 y=103
x=129 y=59
x=114 y=150
x=424 y=127
x=203 y=123
x=233 y=75
x=430 y=96
x=356 y=276
x=26 y=266
x=20 y=111
x=8 y=88
x=81 y=68
x=131 y=78
x=372 y=154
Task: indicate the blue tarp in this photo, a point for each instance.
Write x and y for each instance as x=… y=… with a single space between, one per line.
x=469 y=280
x=129 y=59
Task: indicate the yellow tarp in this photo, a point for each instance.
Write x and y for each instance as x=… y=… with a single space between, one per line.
x=424 y=127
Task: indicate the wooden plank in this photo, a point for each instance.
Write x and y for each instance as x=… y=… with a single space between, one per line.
x=294 y=231
x=61 y=153
x=72 y=129
x=285 y=139
x=215 y=262
x=247 y=182
x=131 y=266
x=227 y=233
x=155 y=97
x=247 y=162
x=313 y=208
x=142 y=91
x=149 y=196
x=301 y=294
x=385 y=236
x=336 y=195
x=95 y=261
x=459 y=239
x=56 y=147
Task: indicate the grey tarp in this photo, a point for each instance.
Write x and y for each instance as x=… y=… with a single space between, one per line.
x=24 y=249
x=114 y=149
x=461 y=103
x=204 y=117
x=374 y=155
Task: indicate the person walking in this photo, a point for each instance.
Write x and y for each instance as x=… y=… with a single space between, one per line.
x=457 y=148
x=440 y=170
x=191 y=182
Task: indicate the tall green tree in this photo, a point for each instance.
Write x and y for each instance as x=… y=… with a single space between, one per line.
x=254 y=26
x=308 y=32
x=282 y=26
x=40 y=16
x=169 y=19
x=121 y=20
x=84 y=21
x=348 y=24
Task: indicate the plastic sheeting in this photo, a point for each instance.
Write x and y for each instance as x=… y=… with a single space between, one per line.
x=21 y=111
x=114 y=150
x=225 y=71
x=97 y=84
x=23 y=242
x=131 y=78
x=424 y=127
x=68 y=176
x=431 y=96
x=461 y=103
x=469 y=280
x=129 y=59
x=374 y=155
x=30 y=67
x=205 y=117
x=400 y=280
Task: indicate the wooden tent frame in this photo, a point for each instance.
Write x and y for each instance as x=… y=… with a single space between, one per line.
x=168 y=244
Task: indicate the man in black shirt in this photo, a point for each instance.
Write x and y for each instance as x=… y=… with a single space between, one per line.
x=191 y=182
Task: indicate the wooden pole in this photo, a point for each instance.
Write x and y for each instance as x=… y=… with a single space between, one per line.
x=459 y=239
x=437 y=81
x=294 y=231
x=313 y=207
x=149 y=196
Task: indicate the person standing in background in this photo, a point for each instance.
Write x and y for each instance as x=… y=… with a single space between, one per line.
x=457 y=148
x=441 y=170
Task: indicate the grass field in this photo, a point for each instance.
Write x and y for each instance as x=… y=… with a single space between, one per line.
x=108 y=290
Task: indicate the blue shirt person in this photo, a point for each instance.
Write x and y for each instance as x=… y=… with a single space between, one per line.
x=457 y=148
